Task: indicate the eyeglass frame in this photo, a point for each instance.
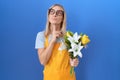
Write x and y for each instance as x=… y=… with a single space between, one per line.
x=55 y=12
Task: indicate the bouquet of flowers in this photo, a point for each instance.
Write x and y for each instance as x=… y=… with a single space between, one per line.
x=74 y=44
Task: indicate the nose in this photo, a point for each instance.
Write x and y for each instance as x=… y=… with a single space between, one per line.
x=55 y=14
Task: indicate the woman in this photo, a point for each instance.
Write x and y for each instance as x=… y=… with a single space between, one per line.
x=57 y=63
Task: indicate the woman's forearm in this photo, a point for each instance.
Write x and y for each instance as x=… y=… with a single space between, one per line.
x=46 y=53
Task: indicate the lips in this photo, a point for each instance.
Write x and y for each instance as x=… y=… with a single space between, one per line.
x=54 y=18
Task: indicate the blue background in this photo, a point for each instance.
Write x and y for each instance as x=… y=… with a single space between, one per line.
x=21 y=20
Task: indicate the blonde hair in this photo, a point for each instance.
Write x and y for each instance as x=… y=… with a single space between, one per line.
x=63 y=24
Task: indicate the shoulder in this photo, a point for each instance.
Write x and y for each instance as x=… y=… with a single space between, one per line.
x=40 y=36
x=41 y=33
x=40 y=39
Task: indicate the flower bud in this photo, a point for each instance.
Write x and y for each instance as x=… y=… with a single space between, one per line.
x=85 y=39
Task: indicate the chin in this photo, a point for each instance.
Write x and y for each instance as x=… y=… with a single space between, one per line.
x=54 y=22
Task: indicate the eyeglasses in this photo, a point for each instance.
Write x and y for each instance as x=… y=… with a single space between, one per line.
x=57 y=12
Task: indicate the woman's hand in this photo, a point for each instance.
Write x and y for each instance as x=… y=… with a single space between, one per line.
x=74 y=62
x=56 y=34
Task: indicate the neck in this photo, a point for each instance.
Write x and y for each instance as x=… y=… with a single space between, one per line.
x=55 y=25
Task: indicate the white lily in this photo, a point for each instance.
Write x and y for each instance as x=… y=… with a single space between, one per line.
x=75 y=38
x=76 y=49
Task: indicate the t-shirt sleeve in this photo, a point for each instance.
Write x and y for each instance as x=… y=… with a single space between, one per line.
x=40 y=39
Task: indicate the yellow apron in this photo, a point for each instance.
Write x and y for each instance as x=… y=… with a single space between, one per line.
x=58 y=66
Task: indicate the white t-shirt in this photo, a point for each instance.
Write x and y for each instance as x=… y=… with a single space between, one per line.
x=40 y=40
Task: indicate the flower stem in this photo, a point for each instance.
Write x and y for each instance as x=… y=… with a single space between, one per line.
x=71 y=70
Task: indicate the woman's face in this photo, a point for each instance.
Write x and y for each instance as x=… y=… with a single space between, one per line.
x=56 y=15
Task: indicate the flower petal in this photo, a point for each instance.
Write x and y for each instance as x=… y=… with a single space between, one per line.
x=80 y=54
x=75 y=54
x=70 y=50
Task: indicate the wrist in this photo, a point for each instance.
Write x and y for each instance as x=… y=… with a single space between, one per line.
x=53 y=41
